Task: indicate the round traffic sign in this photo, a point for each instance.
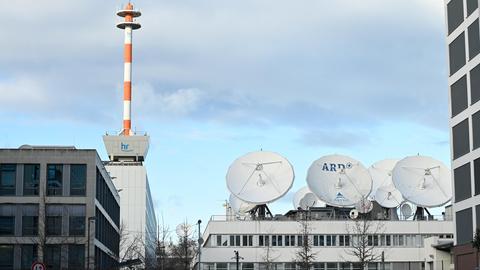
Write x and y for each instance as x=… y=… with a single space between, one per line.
x=38 y=266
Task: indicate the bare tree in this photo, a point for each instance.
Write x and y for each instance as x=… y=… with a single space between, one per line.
x=184 y=251
x=269 y=254
x=365 y=234
x=305 y=256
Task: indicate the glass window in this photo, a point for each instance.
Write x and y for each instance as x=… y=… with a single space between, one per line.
x=31 y=178
x=237 y=240
x=221 y=266
x=6 y=257
x=315 y=240
x=372 y=266
x=29 y=225
x=78 y=178
x=260 y=240
x=219 y=240
x=388 y=240
x=8 y=175
x=344 y=266
x=475 y=84
x=54 y=179
x=454 y=14
x=472 y=5
x=53 y=225
x=458 y=94
x=464 y=226
x=457 y=53
x=460 y=139
x=77 y=226
x=299 y=240
x=318 y=266
x=331 y=266
x=7 y=225
x=250 y=240
x=244 y=240
x=473 y=40
x=462 y=182
x=52 y=256
x=29 y=256
x=247 y=266
x=289 y=266
x=76 y=256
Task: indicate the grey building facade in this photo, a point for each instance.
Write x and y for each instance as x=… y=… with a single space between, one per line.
x=58 y=205
x=463 y=44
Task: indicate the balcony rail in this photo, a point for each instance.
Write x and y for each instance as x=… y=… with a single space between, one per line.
x=327 y=218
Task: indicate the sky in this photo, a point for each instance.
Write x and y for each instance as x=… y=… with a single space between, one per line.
x=214 y=80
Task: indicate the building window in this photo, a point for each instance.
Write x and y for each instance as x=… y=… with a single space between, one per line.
x=318 y=266
x=6 y=257
x=331 y=240
x=458 y=94
x=454 y=14
x=8 y=176
x=52 y=256
x=472 y=5
x=289 y=266
x=247 y=266
x=475 y=84
x=29 y=256
x=460 y=138
x=344 y=240
x=76 y=226
x=476 y=129
x=331 y=266
x=76 y=256
x=29 y=225
x=54 y=179
x=219 y=241
x=221 y=266
x=473 y=40
x=7 y=225
x=462 y=182
x=53 y=225
x=78 y=178
x=457 y=53
x=464 y=226
x=31 y=178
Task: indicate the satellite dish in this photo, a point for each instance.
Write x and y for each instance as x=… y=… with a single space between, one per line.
x=339 y=180
x=423 y=181
x=388 y=196
x=353 y=214
x=182 y=229
x=260 y=177
x=239 y=206
x=381 y=173
x=304 y=198
x=407 y=210
x=364 y=206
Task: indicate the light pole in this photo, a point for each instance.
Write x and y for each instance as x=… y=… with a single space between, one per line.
x=237 y=259
x=90 y=219
x=200 y=242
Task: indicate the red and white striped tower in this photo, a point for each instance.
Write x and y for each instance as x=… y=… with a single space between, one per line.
x=128 y=25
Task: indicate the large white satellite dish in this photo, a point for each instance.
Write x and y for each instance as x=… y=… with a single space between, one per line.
x=388 y=196
x=423 y=181
x=238 y=206
x=304 y=198
x=183 y=229
x=339 y=180
x=260 y=177
x=381 y=173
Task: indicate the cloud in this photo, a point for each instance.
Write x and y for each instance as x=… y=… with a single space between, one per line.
x=340 y=138
x=236 y=63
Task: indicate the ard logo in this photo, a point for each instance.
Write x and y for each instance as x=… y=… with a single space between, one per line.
x=125 y=147
x=333 y=167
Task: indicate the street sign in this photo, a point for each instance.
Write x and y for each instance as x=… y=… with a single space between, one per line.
x=38 y=266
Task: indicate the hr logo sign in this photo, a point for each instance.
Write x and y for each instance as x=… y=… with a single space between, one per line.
x=125 y=147
x=333 y=167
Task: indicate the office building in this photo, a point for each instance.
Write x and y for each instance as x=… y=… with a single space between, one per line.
x=58 y=206
x=463 y=45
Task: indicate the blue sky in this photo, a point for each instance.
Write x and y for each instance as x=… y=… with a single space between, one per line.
x=213 y=80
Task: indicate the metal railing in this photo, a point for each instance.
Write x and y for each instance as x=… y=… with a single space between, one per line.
x=281 y=218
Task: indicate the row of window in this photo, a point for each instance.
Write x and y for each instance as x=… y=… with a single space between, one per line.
x=106 y=233
x=464 y=225
x=461 y=136
x=317 y=240
x=60 y=220
x=459 y=92
x=457 y=48
x=52 y=256
x=456 y=15
x=315 y=266
x=31 y=179
x=107 y=200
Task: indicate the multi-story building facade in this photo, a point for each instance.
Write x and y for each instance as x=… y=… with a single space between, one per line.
x=406 y=244
x=58 y=206
x=463 y=43
x=137 y=213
